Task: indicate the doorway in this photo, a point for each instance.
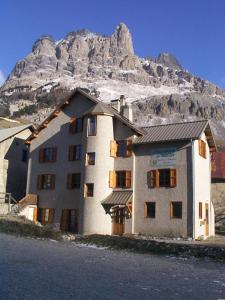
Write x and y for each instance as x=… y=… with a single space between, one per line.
x=70 y=220
x=118 y=219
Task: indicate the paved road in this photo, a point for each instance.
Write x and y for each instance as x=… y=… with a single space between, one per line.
x=36 y=269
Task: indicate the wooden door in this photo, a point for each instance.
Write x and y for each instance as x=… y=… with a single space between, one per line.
x=206 y=219
x=64 y=224
x=73 y=220
x=118 y=218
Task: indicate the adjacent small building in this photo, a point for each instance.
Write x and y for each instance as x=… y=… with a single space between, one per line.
x=13 y=162
x=94 y=171
x=218 y=189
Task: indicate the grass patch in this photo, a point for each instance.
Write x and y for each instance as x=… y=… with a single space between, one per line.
x=154 y=247
x=20 y=226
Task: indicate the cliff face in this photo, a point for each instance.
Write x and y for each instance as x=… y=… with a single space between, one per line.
x=107 y=65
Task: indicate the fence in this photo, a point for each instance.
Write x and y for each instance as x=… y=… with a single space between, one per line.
x=6 y=203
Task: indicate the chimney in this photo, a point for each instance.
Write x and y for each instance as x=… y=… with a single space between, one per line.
x=123 y=108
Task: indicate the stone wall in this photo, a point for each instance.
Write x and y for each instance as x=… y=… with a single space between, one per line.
x=218 y=198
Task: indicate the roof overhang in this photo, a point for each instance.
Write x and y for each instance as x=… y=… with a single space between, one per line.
x=117 y=198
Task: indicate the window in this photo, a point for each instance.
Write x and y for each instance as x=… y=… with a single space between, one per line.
x=46 y=182
x=45 y=215
x=162 y=178
x=76 y=125
x=200 y=210
x=73 y=181
x=75 y=152
x=24 y=156
x=89 y=190
x=47 y=154
x=91 y=158
x=150 y=210
x=176 y=210
x=202 y=148
x=92 y=125
x=120 y=179
x=121 y=148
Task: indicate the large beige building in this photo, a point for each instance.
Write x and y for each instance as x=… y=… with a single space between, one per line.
x=95 y=172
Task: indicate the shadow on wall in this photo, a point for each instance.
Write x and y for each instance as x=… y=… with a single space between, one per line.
x=17 y=157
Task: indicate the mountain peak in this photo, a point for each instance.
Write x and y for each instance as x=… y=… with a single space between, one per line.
x=122 y=38
x=169 y=60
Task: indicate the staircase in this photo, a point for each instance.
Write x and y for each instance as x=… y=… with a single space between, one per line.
x=6 y=203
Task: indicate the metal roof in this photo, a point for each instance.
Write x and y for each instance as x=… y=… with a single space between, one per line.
x=9 y=132
x=176 y=131
x=118 y=198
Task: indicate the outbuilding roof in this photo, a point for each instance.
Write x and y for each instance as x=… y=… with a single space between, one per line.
x=177 y=131
x=9 y=132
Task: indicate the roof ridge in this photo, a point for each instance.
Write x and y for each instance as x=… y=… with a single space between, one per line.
x=176 y=123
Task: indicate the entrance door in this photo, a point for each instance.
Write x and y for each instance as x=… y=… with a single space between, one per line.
x=206 y=219
x=118 y=217
x=69 y=220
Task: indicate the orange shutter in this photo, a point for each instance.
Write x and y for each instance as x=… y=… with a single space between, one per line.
x=112 y=179
x=41 y=155
x=64 y=224
x=129 y=148
x=39 y=182
x=113 y=148
x=35 y=214
x=71 y=153
x=52 y=181
x=173 y=178
x=72 y=127
x=51 y=216
x=152 y=174
x=128 y=179
x=157 y=178
x=54 y=154
x=69 y=181
x=85 y=190
x=171 y=210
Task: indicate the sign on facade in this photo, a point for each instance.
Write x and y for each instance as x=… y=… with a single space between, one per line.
x=163 y=158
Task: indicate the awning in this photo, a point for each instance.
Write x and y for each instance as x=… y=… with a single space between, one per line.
x=117 y=198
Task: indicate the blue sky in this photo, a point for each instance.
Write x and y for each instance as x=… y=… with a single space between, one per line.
x=192 y=30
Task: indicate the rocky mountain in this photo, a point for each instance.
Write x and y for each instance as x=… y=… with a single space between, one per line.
x=160 y=88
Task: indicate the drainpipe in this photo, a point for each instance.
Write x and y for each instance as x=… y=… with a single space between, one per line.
x=193 y=180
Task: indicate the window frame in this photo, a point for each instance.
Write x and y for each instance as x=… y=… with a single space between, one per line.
x=45 y=157
x=88 y=161
x=200 y=210
x=75 y=152
x=73 y=183
x=147 y=216
x=86 y=190
x=76 y=125
x=172 y=215
x=90 y=130
x=46 y=182
x=202 y=148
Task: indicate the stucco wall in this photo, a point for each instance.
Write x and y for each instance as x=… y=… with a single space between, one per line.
x=202 y=190
x=162 y=224
x=13 y=169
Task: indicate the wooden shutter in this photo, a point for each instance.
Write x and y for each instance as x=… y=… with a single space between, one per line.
x=85 y=190
x=64 y=224
x=69 y=181
x=35 y=214
x=51 y=215
x=52 y=181
x=173 y=178
x=128 y=179
x=113 y=148
x=72 y=127
x=112 y=179
x=171 y=209
x=39 y=182
x=71 y=153
x=152 y=177
x=129 y=148
x=54 y=154
x=200 y=210
x=202 y=148
x=41 y=155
